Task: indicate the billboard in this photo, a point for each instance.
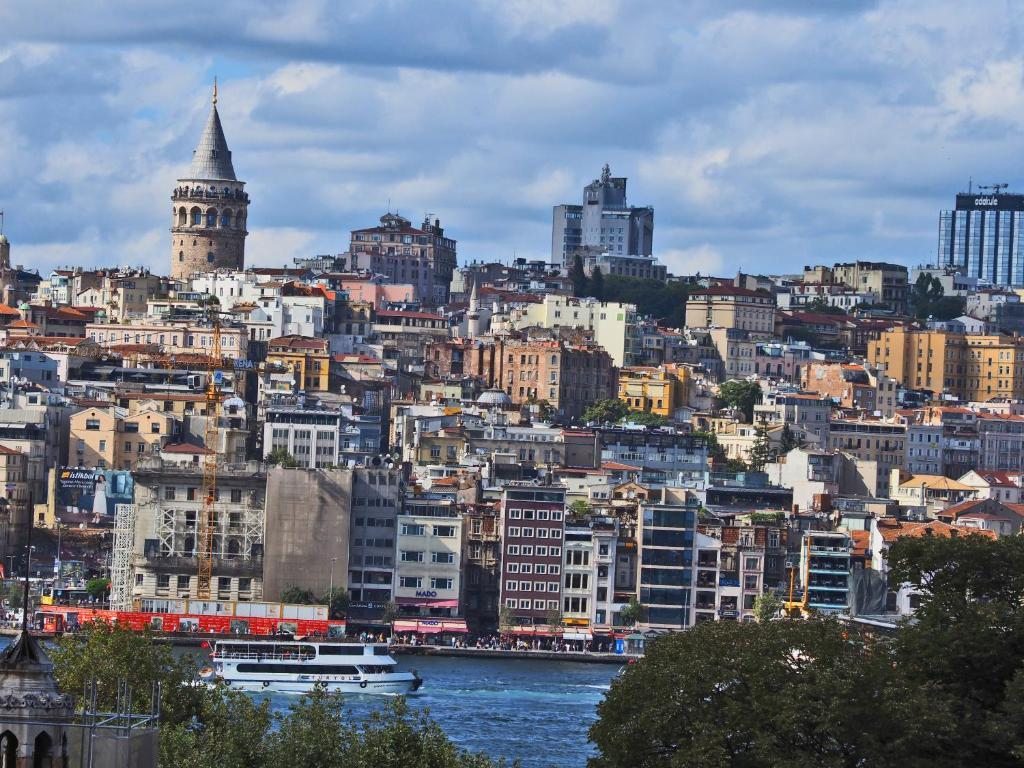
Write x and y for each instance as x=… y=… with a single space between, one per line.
x=90 y=495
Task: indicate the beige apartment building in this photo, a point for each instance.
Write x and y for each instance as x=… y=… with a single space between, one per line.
x=724 y=306
x=972 y=367
x=174 y=338
x=111 y=438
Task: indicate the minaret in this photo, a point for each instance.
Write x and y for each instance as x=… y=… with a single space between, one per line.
x=473 y=315
x=209 y=208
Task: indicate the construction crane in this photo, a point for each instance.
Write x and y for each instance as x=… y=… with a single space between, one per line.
x=208 y=520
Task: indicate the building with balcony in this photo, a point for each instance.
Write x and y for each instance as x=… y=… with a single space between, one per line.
x=825 y=567
x=481 y=568
x=428 y=566
x=667 y=537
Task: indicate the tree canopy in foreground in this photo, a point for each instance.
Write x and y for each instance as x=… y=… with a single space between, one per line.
x=947 y=690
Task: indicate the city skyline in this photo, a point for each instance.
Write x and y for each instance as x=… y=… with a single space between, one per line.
x=786 y=138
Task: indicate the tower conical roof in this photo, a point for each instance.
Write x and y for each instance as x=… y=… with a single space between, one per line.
x=212 y=158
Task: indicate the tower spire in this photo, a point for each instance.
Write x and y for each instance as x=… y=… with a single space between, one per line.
x=215 y=90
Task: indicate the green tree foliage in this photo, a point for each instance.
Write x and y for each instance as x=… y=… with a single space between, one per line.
x=299 y=596
x=715 y=451
x=578 y=277
x=822 y=307
x=282 y=457
x=647 y=419
x=947 y=690
x=779 y=693
x=767 y=606
x=742 y=395
x=967 y=639
x=761 y=451
x=788 y=440
x=657 y=299
x=98 y=588
x=928 y=299
x=580 y=508
x=632 y=613
x=610 y=411
x=595 y=287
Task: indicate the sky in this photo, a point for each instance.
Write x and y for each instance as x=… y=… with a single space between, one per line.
x=766 y=135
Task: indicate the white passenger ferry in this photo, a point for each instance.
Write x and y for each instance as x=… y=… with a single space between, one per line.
x=297 y=666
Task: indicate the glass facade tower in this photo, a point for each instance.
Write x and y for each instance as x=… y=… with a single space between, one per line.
x=984 y=237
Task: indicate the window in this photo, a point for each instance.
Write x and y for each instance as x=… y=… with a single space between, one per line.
x=513 y=532
x=512 y=567
x=527 y=533
x=512 y=549
x=183 y=582
x=524 y=605
x=413 y=529
x=442 y=557
x=411 y=556
x=92 y=424
x=527 y=550
x=410 y=582
x=444 y=531
x=436 y=583
x=515 y=514
x=169 y=492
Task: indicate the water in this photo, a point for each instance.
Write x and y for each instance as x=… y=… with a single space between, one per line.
x=535 y=711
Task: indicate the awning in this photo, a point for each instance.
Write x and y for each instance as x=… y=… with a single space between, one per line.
x=577 y=636
x=430 y=626
x=528 y=630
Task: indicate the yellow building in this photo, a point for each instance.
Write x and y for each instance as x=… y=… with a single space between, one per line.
x=111 y=438
x=971 y=367
x=655 y=390
x=309 y=359
x=723 y=306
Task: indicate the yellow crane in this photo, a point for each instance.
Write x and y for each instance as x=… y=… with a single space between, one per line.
x=208 y=520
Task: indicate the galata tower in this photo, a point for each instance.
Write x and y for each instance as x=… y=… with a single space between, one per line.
x=209 y=208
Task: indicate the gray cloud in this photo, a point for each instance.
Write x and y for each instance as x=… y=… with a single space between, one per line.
x=800 y=133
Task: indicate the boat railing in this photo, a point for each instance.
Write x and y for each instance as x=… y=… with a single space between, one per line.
x=264 y=656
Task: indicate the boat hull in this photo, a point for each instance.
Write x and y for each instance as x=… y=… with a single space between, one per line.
x=392 y=687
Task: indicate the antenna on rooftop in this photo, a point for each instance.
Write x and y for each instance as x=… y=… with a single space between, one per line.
x=1 y=222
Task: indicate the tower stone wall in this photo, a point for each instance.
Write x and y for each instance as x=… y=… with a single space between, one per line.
x=209 y=208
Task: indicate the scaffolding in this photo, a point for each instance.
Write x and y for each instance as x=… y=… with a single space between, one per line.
x=121 y=557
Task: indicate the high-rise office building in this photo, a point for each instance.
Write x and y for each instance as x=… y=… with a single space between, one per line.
x=984 y=237
x=603 y=222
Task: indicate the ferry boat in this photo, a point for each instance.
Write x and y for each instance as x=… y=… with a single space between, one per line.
x=297 y=666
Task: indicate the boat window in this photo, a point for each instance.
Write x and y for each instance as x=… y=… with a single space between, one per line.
x=379 y=650
x=299 y=669
x=341 y=650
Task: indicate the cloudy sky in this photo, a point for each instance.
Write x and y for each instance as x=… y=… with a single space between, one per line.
x=815 y=131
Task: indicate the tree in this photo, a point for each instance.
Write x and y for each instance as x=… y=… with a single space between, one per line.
x=767 y=606
x=578 y=276
x=821 y=306
x=580 y=508
x=813 y=684
x=282 y=457
x=299 y=596
x=633 y=612
x=337 y=603
x=98 y=588
x=610 y=410
x=788 y=440
x=715 y=451
x=928 y=299
x=967 y=638
x=647 y=419
x=596 y=285
x=742 y=395
x=505 y=617
x=761 y=450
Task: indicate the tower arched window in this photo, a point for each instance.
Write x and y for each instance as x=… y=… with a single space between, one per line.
x=209 y=257
x=225 y=218
x=238 y=220
x=182 y=217
x=181 y=255
x=211 y=217
x=197 y=217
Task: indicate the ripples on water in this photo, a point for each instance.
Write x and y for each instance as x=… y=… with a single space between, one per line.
x=535 y=711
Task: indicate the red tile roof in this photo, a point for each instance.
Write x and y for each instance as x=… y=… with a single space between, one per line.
x=185 y=448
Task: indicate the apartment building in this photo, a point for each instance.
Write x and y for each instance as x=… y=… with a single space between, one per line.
x=852 y=386
x=377 y=494
x=972 y=368
x=113 y=438
x=724 y=306
x=613 y=326
x=308 y=359
x=422 y=256
x=578 y=579
x=878 y=440
x=481 y=567
x=886 y=283
x=168 y=505
x=825 y=567
x=428 y=565
x=533 y=527
x=173 y=338
x=667 y=536
x=658 y=390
